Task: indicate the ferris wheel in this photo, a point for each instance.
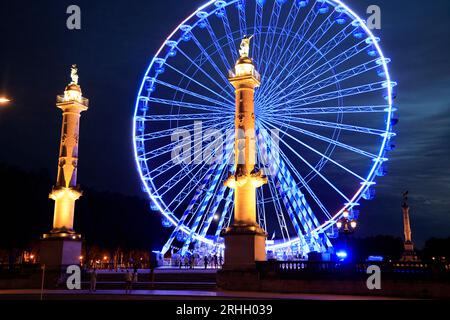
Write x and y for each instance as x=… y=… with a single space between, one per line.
x=325 y=105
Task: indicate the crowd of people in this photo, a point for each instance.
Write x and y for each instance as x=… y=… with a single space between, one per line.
x=190 y=261
x=130 y=278
x=213 y=261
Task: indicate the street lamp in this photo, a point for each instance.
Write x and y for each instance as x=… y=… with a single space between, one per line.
x=346 y=224
x=4 y=100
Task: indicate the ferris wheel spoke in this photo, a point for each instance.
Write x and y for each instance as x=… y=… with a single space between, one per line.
x=197 y=141
x=227 y=212
x=185 y=117
x=199 y=215
x=335 y=110
x=292 y=169
x=300 y=68
x=299 y=200
x=229 y=35
x=270 y=35
x=315 y=150
x=193 y=94
x=320 y=137
x=259 y=8
x=216 y=199
x=297 y=217
x=305 y=223
x=291 y=48
x=281 y=43
x=217 y=167
x=336 y=59
x=229 y=217
x=215 y=67
x=284 y=34
x=161 y=169
x=212 y=62
x=261 y=209
x=214 y=92
x=186 y=192
x=189 y=209
x=300 y=35
x=333 y=80
x=191 y=185
x=164 y=133
x=316 y=171
x=279 y=212
x=240 y=4
x=261 y=154
x=169 y=132
x=341 y=126
x=289 y=188
x=346 y=92
x=217 y=45
x=305 y=185
x=182 y=104
x=306 y=47
x=164 y=149
x=293 y=200
x=326 y=67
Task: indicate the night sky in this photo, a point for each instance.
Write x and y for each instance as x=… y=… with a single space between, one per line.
x=114 y=47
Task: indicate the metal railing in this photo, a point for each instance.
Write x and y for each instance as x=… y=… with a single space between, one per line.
x=311 y=269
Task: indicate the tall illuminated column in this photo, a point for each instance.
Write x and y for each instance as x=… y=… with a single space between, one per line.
x=62 y=238
x=409 y=253
x=244 y=240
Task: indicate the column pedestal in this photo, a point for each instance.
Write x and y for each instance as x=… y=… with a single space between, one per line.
x=244 y=245
x=57 y=252
x=409 y=255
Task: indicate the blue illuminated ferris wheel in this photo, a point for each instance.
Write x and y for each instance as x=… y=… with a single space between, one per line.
x=326 y=91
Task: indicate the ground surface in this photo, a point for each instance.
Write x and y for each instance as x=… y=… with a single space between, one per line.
x=167 y=295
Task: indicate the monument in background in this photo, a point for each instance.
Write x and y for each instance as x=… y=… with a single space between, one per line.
x=408 y=254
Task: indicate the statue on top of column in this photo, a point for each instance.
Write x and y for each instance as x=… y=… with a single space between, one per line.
x=245 y=47
x=74 y=74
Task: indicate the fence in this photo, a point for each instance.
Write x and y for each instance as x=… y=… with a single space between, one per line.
x=312 y=269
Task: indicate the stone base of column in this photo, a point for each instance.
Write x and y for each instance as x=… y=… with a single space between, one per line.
x=58 y=250
x=244 y=245
x=409 y=255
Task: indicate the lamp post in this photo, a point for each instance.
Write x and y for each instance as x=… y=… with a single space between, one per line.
x=346 y=225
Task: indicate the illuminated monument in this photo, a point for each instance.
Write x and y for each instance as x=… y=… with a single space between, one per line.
x=244 y=240
x=409 y=254
x=62 y=246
